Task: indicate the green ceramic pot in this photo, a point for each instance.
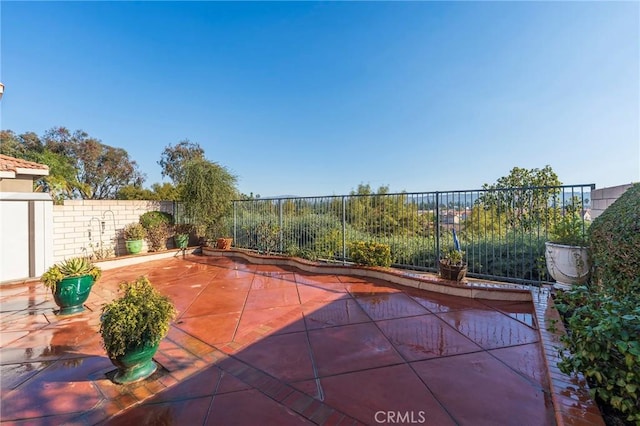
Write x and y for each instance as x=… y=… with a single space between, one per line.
x=135 y=365
x=134 y=246
x=181 y=240
x=72 y=292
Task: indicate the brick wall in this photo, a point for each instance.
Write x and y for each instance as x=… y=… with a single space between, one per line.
x=82 y=227
x=604 y=197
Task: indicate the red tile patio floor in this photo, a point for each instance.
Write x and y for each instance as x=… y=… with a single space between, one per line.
x=257 y=344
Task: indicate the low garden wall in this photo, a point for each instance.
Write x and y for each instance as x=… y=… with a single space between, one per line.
x=93 y=227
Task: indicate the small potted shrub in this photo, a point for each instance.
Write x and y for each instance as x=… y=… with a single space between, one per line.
x=70 y=282
x=452 y=264
x=181 y=235
x=134 y=234
x=132 y=328
x=566 y=252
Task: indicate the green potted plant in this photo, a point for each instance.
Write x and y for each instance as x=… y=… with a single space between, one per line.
x=134 y=234
x=566 y=252
x=452 y=264
x=132 y=327
x=181 y=234
x=70 y=282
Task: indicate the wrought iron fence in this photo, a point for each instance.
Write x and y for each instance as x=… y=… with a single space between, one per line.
x=501 y=231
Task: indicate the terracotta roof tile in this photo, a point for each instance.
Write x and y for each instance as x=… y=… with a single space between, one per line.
x=11 y=164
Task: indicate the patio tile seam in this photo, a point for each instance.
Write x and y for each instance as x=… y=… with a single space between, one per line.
x=244 y=306
x=279 y=391
x=545 y=310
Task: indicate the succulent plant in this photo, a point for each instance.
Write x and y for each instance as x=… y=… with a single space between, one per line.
x=72 y=267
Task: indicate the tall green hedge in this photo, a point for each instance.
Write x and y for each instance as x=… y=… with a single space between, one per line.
x=604 y=319
x=615 y=244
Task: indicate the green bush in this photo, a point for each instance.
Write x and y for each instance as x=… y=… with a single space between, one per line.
x=153 y=218
x=370 y=253
x=615 y=244
x=141 y=316
x=158 y=226
x=604 y=345
x=603 y=320
x=134 y=231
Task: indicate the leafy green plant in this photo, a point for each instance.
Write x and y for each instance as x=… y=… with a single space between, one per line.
x=207 y=190
x=72 y=267
x=152 y=218
x=182 y=228
x=267 y=237
x=134 y=231
x=603 y=319
x=157 y=224
x=571 y=230
x=157 y=237
x=453 y=257
x=604 y=345
x=141 y=316
x=615 y=244
x=301 y=253
x=370 y=253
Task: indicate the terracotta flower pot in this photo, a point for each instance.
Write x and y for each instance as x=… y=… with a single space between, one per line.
x=224 y=243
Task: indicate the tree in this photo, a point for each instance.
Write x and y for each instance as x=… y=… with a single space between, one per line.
x=523 y=196
x=60 y=182
x=207 y=190
x=165 y=191
x=100 y=170
x=174 y=158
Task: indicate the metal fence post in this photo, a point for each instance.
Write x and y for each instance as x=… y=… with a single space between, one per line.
x=344 y=230
x=235 y=222
x=437 y=254
x=280 y=225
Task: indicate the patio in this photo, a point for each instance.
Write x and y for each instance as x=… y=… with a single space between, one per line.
x=265 y=344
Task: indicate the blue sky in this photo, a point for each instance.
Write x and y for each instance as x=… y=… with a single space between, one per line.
x=310 y=98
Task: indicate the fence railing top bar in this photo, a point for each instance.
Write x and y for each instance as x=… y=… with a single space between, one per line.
x=592 y=187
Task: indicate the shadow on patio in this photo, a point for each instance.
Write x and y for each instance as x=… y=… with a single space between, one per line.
x=257 y=344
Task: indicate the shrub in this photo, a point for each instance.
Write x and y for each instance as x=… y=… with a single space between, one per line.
x=615 y=244
x=570 y=229
x=140 y=316
x=157 y=224
x=157 y=236
x=153 y=218
x=370 y=253
x=604 y=319
x=134 y=231
x=604 y=345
